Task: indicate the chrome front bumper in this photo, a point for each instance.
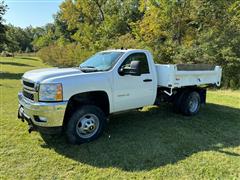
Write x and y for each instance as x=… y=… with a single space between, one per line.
x=42 y=114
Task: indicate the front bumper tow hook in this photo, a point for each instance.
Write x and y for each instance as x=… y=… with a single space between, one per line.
x=31 y=128
x=20 y=116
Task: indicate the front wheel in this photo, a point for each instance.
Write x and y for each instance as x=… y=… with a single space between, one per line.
x=190 y=103
x=86 y=124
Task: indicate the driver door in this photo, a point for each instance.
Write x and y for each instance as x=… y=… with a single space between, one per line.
x=131 y=91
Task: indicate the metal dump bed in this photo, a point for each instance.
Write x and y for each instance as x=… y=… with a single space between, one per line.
x=180 y=75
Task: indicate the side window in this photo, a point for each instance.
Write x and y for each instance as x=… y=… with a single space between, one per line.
x=144 y=69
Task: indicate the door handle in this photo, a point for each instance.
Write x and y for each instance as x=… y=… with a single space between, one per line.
x=147 y=80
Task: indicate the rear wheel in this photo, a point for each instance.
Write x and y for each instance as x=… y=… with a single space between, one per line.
x=86 y=124
x=190 y=104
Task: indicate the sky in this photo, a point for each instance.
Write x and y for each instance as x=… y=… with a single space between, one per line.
x=24 y=13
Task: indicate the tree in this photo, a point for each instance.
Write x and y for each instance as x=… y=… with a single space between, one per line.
x=175 y=31
x=12 y=45
x=3 y=9
x=47 y=36
x=96 y=24
x=18 y=39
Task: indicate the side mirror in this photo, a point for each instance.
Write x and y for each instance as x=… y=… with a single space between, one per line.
x=133 y=70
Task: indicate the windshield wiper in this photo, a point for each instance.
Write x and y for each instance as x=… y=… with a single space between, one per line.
x=83 y=67
x=88 y=69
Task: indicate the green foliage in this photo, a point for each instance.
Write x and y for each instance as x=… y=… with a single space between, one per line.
x=19 y=39
x=45 y=36
x=97 y=24
x=65 y=56
x=126 y=41
x=3 y=9
x=198 y=31
x=179 y=31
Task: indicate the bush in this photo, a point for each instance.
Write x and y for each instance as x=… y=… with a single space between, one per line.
x=73 y=54
x=126 y=41
x=231 y=76
x=64 y=56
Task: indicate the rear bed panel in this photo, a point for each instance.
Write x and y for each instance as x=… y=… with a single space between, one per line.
x=195 y=67
x=172 y=76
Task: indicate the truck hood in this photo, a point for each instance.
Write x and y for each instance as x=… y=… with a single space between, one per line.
x=47 y=73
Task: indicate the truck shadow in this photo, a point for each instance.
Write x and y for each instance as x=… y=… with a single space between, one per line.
x=29 y=58
x=15 y=64
x=7 y=75
x=145 y=140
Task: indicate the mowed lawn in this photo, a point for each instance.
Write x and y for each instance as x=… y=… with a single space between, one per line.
x=153 y=143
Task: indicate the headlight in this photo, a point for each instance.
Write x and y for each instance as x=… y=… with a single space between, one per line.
x=50 y=92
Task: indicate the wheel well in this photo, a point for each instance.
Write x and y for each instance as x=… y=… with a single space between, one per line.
x=97 y=98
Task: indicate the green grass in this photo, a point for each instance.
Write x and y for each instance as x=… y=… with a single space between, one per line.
x=153 y=143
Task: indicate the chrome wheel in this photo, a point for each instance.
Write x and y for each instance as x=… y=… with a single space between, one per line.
x=87 y=125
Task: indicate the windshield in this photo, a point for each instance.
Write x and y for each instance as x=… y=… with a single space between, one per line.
x=102 y=61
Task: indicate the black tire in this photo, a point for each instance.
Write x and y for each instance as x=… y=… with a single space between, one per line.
x=178 y=101
x=190 y=104
x=80 y=119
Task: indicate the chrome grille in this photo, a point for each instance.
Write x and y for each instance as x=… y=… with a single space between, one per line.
x=29 y=91
x=28 y=95
x=28 y=84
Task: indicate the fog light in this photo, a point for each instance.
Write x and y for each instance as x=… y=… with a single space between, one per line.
x=43 y=119
x=40 y=119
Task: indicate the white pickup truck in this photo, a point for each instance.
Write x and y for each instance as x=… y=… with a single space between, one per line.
x=78 y=101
